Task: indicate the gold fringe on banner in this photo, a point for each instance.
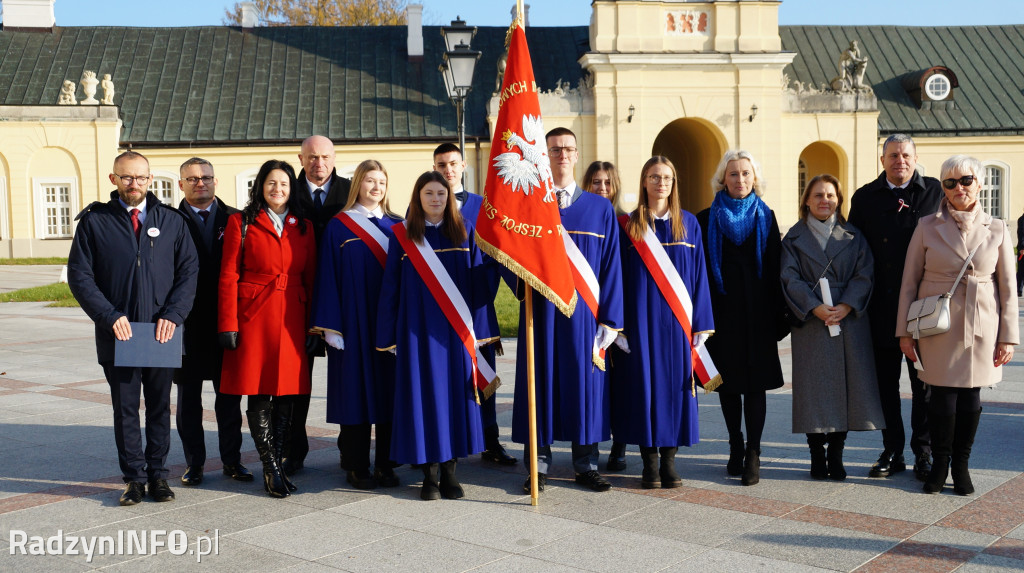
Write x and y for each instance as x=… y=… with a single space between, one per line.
x=566 y=308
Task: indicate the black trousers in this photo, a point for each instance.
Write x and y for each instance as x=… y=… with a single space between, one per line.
x=354 y=443
x=189 y=418
x=888 y=363
x=127 y=385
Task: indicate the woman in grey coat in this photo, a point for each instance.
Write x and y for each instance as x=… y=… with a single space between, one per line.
x=834 y=385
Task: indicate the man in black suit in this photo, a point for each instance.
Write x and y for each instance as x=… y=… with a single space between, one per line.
x=132 y=260
x=207 y=217
x=322 y=194
x=886 y=211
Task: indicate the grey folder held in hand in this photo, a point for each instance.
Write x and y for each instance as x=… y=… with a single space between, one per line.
x=143 y=350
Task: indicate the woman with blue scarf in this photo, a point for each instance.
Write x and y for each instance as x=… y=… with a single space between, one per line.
x=742 y=248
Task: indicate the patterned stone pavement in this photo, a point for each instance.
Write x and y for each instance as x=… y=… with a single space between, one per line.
x=60 y=485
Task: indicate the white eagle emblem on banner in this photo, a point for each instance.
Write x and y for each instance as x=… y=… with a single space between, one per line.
x=531 y=168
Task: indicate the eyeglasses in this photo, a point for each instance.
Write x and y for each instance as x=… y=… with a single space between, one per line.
x=558 y=151
x=659 y=179
x=129 y=179
x=966 y=181
x=205 y=179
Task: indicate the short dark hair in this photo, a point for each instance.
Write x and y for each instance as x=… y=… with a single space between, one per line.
x=194 y=161
x=448 y=148
x=561 y=131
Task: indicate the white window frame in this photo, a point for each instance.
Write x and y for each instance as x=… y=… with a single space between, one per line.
x=176 y=194
x=929 y=84
x=1004 y=186
x=242 y=186
x=801 y=178
x=38 y=183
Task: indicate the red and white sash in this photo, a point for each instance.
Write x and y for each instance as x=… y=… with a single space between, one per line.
x=370 y=234
x=452 y=304
x=672 y=288
x=586 y=285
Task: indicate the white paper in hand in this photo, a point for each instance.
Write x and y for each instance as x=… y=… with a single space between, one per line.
x=826 y=297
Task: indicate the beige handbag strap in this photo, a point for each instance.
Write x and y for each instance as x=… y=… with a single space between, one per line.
x=963 y=269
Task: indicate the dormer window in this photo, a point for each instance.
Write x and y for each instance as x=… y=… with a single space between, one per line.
x=931 y=88
x=937 y=87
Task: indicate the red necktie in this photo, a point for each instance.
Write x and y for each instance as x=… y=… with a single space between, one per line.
x=136 y=226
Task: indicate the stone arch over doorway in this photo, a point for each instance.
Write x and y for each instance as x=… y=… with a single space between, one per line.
x=695 y=147
x=826 y=157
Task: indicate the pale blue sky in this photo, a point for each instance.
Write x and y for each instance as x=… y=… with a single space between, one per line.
x=562 y=12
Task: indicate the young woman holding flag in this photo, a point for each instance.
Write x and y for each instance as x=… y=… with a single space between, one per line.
x=667 y=309
x=433 y=315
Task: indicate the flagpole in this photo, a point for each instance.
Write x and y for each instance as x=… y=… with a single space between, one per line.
x=531 y=395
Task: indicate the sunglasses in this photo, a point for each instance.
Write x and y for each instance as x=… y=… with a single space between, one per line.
x=966 y=181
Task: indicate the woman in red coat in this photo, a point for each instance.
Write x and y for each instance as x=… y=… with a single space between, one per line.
x=266 y=284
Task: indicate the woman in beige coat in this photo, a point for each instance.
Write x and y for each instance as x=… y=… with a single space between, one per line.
x=983 y=316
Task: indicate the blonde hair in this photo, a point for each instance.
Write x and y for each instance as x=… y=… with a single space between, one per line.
x=357 y=179
x=718 y=179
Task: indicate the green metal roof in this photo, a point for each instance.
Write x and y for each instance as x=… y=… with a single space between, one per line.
x=987 y=60
x=223 y=85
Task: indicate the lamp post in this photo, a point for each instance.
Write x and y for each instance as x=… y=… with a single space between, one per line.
x=457 y=70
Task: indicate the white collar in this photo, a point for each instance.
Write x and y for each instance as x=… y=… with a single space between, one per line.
x=435 y=225
x=312 y=188
x=375 y=212
x=141 y=206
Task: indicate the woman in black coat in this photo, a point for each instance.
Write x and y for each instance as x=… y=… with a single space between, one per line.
x=742 y=247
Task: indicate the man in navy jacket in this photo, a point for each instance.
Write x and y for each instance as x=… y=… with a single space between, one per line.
x=132 y=260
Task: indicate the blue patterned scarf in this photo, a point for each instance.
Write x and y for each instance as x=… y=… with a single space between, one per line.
x=735 y=219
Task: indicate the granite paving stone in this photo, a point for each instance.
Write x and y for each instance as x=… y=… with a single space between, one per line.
x=414 y=551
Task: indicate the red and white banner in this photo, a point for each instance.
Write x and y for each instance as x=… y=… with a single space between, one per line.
x=672 y=288
x=370 y=234
x=453 y=305
x=519 y=224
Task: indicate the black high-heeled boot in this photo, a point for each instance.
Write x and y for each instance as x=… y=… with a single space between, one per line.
x=650 y=478
x=816 y=442
x=963 y=441
x=836 y=443
x=283 y=435
x=736 y=452
x=262 y=436
x=669 y=477
x=751 y=467
x=940 y=428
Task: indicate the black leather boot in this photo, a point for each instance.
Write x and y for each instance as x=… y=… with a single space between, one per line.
x=836 y=443
x=651 y=477
x=941 y=430
x=819 y=470
x=669 y=478
x=283 y=434
x=736 y=451
x=430 y=490
x=963 y=440
x=262 y=436
x=449 y=486
x=751 y=467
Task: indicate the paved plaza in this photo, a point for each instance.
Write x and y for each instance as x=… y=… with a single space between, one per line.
x=60 y=482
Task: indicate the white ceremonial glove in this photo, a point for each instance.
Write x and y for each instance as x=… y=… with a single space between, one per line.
x=334 y=340
x=700 y=339
x=604 y=337
x=392 y=351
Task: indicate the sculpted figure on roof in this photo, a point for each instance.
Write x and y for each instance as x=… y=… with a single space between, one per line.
x=67 y=94
x=851 y=70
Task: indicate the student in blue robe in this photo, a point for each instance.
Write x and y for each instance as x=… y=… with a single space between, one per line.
x=655 y=402
x=448 y=161
x=572 y=391
x=360 y=380
x=436 y=409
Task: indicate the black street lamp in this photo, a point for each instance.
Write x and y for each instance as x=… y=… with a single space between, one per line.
x=457 y=70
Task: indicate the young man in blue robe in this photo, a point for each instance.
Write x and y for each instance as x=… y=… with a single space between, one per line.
x=448 y=161
x=572 y=396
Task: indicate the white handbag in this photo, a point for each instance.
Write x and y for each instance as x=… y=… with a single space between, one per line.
x=930 y=316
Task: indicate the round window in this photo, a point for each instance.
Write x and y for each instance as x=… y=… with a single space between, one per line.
x=937 y=87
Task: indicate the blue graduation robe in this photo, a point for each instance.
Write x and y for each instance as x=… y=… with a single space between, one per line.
x=572 y=393
x=360 y=380
x=436 y=415
x=654 y=404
